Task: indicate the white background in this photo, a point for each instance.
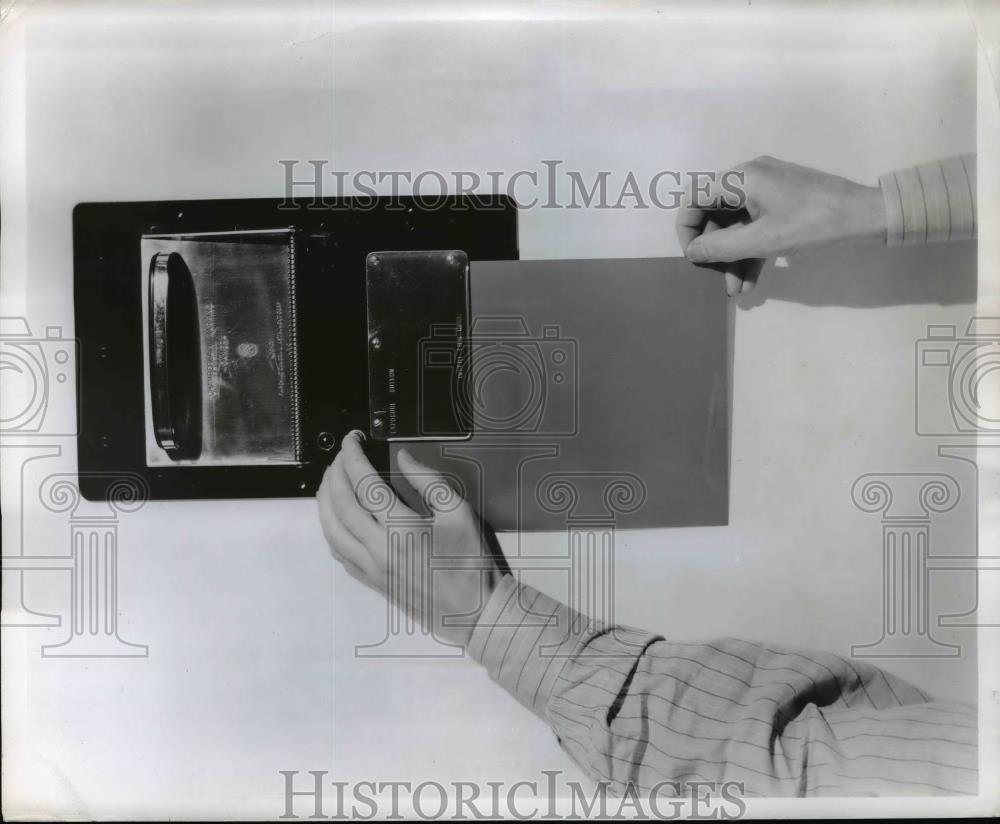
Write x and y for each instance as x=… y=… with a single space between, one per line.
x=250 y=625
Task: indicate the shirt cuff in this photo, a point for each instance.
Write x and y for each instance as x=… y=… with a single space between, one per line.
x=932 y=202
x=524 y=639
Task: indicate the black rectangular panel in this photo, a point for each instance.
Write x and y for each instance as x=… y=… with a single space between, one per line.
x=337 y=236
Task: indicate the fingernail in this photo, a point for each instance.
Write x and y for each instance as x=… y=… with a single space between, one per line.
x=696 y=251
x=357 y=433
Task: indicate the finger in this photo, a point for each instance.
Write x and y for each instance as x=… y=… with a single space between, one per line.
x=343 y=545
x=438 y=494
x=352 y=569
x=339 y=508
x=697 y=209
x=355 y=518
x=737 y=273
x=741 y=275
x=752 y=270
x=733 y=281
x=712 y=225
x=688 y=224
x=356 y=464
x=371 y=491
x=731 y=272
x=367 y=575
x=736 y=242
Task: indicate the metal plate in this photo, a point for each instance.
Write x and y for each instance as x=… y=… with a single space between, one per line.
x=227 y=346
x=418 y=346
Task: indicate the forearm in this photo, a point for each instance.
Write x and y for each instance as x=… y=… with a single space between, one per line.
x=631 y=707
x=526 y=639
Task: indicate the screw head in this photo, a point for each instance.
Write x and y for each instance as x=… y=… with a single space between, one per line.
x=325 y=441
x=377 y=423
x=374 y=260
x=376 y=342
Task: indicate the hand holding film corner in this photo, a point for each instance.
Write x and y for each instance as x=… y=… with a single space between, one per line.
x=357 y=509
x=768 y=208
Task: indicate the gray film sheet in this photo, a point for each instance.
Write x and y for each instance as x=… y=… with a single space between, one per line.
x=600 y=394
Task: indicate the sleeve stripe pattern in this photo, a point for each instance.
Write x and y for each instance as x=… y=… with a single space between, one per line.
x=930 y=203
x=632 y=708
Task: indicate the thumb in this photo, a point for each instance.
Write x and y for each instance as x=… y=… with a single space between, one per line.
x=736 y=242
x=431 y=485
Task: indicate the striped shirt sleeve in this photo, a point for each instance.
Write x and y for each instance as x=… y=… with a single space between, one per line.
x=932 y=202
x=633 y=708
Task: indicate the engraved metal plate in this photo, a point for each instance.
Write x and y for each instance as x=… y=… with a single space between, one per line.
x=418 y=346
